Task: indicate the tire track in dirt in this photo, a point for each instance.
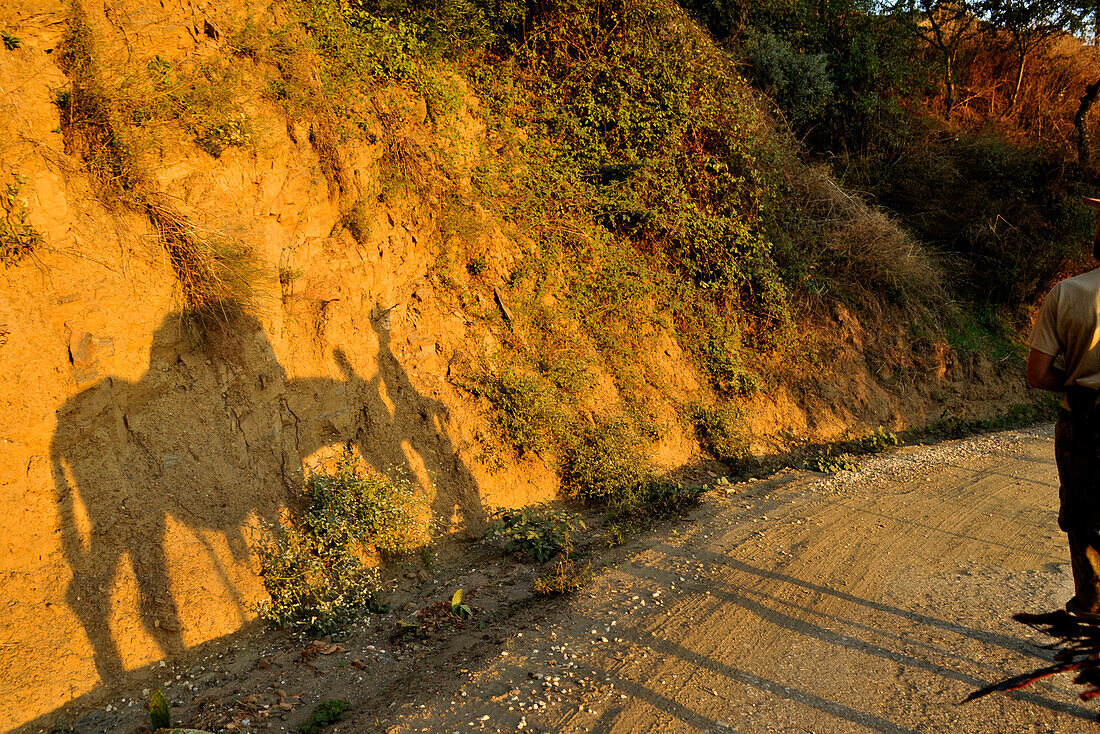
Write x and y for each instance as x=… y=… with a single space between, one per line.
x=868 y=602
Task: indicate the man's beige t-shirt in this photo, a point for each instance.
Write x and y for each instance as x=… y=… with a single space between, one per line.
x=1069 y=324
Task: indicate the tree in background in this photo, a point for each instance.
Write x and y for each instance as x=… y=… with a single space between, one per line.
x=1030 y=24
x=1089 y=21
x=945 y=26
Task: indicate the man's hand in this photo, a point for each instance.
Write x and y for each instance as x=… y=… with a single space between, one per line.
x=1042 y=374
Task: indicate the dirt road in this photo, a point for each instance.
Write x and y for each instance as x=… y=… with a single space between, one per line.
x=859 y=602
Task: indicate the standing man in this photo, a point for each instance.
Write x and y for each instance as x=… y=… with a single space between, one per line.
x=1068 y=325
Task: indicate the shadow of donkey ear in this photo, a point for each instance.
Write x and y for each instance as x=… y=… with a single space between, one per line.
x=341 y=358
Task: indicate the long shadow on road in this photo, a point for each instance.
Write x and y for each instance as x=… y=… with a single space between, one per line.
x=733 y=595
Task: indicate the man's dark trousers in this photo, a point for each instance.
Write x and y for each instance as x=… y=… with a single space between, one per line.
x=1077 y=451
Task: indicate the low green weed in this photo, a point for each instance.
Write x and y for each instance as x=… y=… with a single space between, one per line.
x=876 y=442
x=477 y=265
x=287 y=276
x=160 y=716
x=721 y=431
x=326 y=714
x=618 y=532
x=841 y=455
x=662 y=500
x=607 y=464
x=352 y=505
x=985 y=330
x=535 y=532
x=523 y=410
x=216 y=136
x=17 y=238
x=829 y=463
x=313 y=567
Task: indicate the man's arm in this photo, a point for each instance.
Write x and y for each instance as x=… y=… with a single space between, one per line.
x=1042 y=374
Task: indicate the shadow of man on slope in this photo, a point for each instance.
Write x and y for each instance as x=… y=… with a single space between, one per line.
x=414 y=428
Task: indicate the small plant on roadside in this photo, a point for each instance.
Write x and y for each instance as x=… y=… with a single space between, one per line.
x=326 y=714
x=356 y=504
x=314 y=566
x=429 y=558
x=662 y=500
x=314 y=587
x=842 y=455
x=11 y=42
x=535 y=532
x=566 y=577
x=458 y=608
x=618 y=532
x=607 y=464
x=877 y=442
x=160 y=717
x=828 y=462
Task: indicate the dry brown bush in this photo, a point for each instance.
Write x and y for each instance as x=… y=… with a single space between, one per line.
x=217 y=276
x=1055 y=78
x=863 y=249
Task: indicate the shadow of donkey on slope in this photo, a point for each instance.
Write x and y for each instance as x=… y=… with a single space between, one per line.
x=205 y=436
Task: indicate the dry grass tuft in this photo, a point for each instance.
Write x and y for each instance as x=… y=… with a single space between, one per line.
x=565 y=577
x=402 y=157
x=322 y=137
x=861 y=247
x=217 y=276
x=90 y=125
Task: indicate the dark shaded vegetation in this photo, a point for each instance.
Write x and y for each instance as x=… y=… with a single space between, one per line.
x=327 y=713
x=926 y=105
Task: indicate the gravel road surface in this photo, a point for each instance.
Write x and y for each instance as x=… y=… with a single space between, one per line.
x=858 y=602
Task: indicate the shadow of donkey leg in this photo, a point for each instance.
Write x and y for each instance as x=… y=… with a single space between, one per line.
x=98 y=529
